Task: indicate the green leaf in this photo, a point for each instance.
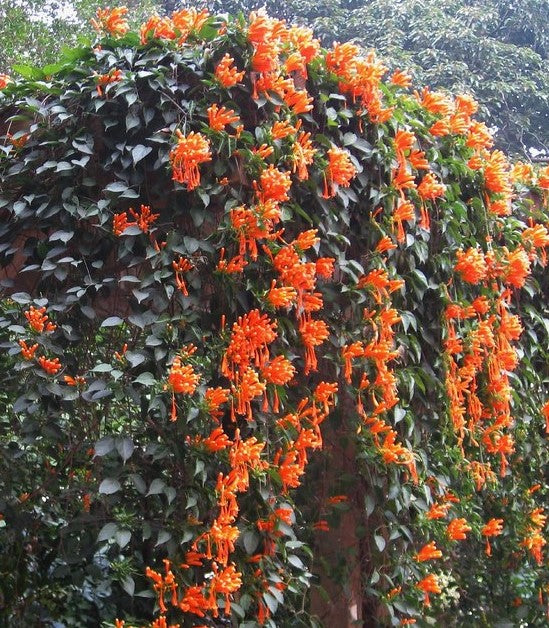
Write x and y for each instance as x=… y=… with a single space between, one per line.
x=107 y=532
x=139 y=152
x=125 y=448
x=109 y=486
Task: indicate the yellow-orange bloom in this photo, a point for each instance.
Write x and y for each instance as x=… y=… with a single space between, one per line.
x=182 y=378
x=274 y=184
x=50 y=366
x=226 y=73
x=218 y=118
x=340 y=170
x=38 y=319
x=400 y=78
x=471 y=265
x=494 y=527
x=111 y=21
x=191 y=150
x=429 y=584
x=26 y=351
x=428 y=552
x=457 y=529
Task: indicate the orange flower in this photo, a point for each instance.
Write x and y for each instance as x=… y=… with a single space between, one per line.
x=403 y=180
x=471 y=265
x=429 y=188
x=218 y=118
x=418 y=161
x=401 y=78
x=302 y=155
x=282 y=129
x=157 y=28
x=325 y=267
x=428 y=552
x=106 y=79
x=434 y=102
x=5 y=79
x=50 y=366
x=479 y=136
x=191 y=150
x=143 y=219
x=534 y=542
x=429 y=584
x=182 y=378
x=111 y=21
x=26 y=351
x=249 y=339
x=340 y=170
x=404 y=140
x=545 y=411
x=274 y=184
x=313 y=333
x=405 y=210
x=494 y=527
x=74 y=381
x=457 y=529
x=38 y=320
x=214 y=399
x=278 y=371
x=438 y=511
x=217 y=440
x=385 y=244
x=226 y=73
x=497 y=174
x=187 y=20
x=517 y=267
x=120 y=223
x=281 y=297
x=440 y=128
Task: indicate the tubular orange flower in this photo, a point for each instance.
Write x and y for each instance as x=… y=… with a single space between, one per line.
x=26 y=351
x=545 y=411
x=325 y=267
x=457 y=529
x=438 y=511
x=111 y=21
x=418 y=161
x=144 y=218
x=281 y=297
x=106 y=79
x=429 y=584
x=479 y=136
x=282 y=129
x=434 y=102
x=401 y=78
x=278 y=371
x=226 y=73
x=471 y=265
x=218 y=118
x=38 y=319
x=430 y=188
x=302 y=155
x=157 y=28
x=249 y=339
x=306 y=239
x=385 y=244
x=120 y=223
x=494 y=527
x=405 y=210
x=517 y=267
x=497 y=174
x=340 y=170
x=217 y=440
x=440 y=128
x=50 y=366
x=313 y=333
x=403 y=180
x=191 y=150
x=214 y=399
x=5 y=80
x=404 y=140
x=182 y=378
x=188 y=20
x=428 y=552
x=274 y=184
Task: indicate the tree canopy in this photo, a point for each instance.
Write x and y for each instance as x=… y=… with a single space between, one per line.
x=275 y=331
